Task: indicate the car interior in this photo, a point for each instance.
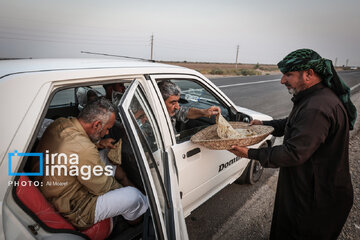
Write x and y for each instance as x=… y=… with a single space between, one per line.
x=68 y=103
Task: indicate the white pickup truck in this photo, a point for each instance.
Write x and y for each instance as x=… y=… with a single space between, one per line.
x=176 y=175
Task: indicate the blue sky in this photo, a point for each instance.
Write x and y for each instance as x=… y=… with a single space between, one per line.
x=183 y=30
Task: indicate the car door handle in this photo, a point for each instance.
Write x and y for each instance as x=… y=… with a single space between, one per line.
x=192 y=152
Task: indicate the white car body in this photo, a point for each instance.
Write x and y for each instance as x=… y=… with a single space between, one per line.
x=26 y=89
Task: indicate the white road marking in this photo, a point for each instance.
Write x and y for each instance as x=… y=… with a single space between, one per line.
x=353 y=87
x=249 y=83
x=267 y=81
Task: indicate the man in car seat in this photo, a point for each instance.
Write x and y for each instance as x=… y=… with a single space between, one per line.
x=171 y=95
x=114 y=92
x=84 y=190
x=86 y=95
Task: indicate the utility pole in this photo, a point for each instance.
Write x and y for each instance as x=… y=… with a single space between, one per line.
x=152 y=47
x=237 y=54
x=335 y=62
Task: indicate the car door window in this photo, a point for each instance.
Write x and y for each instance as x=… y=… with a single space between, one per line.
x=193 y=94
x=151 y=140
x=63 y=98
x=145 y=122
x=135 y=110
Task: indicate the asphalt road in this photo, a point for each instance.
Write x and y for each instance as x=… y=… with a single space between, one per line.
x=266 y=94
x=263 y=94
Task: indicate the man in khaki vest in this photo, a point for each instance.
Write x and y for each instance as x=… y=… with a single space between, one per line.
x=79 y=185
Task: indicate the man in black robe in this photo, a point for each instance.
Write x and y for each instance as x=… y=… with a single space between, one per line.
x=314 y=193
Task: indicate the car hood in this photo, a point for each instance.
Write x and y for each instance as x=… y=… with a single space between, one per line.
x=254 y=114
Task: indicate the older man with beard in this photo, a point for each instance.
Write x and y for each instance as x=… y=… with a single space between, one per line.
x=314 y=192
x=171 y=95
x=85 y=201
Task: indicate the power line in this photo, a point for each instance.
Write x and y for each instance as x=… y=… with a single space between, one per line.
x=67 y=34
x=56 y=24
x=71 y=41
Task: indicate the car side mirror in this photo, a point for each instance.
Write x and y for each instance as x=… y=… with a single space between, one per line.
x=241 y=117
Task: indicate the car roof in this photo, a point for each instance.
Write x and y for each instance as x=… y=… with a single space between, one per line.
x=10 y=67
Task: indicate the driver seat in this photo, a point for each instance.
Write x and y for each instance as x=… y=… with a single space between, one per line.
x=31 y=200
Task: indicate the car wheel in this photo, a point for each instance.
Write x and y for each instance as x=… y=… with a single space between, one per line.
x=255 y=172
x=251 y=174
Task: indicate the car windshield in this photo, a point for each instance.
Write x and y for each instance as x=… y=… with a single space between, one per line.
x=194 y=95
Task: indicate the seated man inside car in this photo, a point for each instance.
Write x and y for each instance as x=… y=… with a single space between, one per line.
x=78 y=184
x=113 y=92
x=86 y=95
x=171 y=95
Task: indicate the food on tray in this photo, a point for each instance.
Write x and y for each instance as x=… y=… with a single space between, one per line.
x=243 y=133
x=115 y=154
x=249 y=135
x=226 y=131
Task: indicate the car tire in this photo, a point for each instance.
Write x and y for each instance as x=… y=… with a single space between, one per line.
x=251 y=174
x=255 y=172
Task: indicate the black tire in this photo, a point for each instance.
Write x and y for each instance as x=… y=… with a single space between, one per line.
x=251 y=174
x=255 y=172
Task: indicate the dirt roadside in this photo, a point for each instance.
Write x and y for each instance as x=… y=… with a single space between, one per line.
x=351 y=229
x=253 y=220
x=216 y=70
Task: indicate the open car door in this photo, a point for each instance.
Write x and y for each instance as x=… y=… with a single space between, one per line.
x=157 y=172
x=202 y=172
